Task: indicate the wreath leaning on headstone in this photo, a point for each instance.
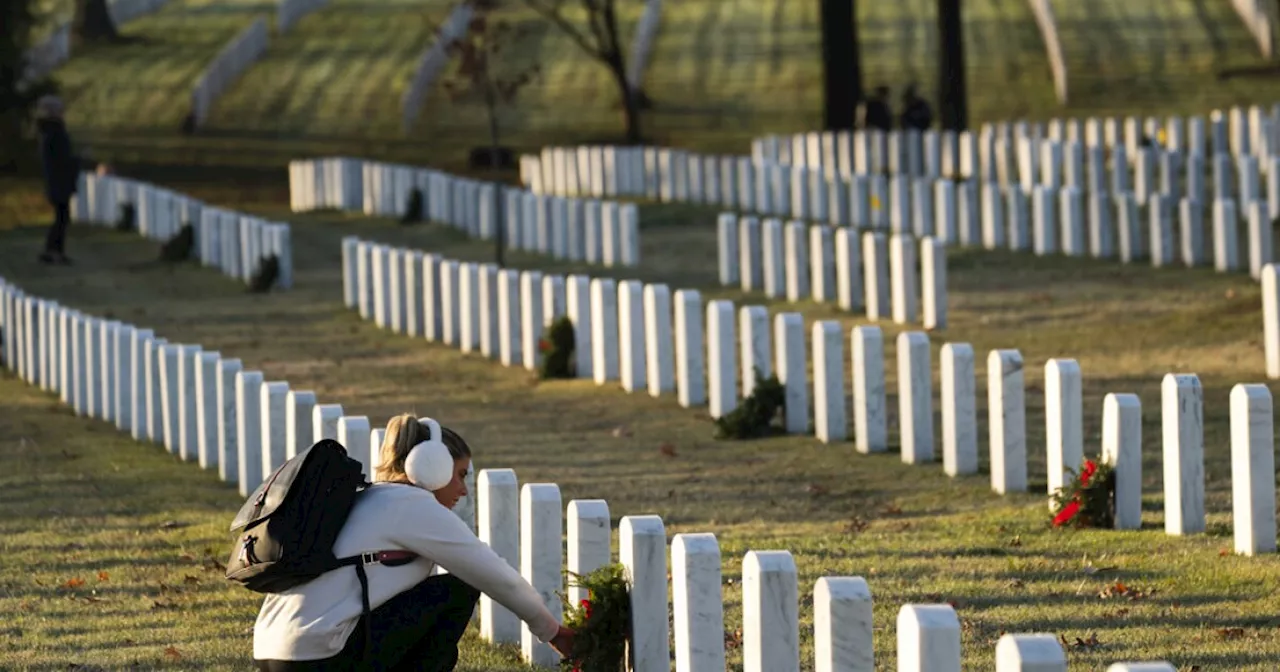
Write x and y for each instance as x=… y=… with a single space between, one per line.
x=128 y=218
x=413 y=209
x=557 y=348
x=179 y=247
x=265 y=277
x=601 y=623
x=1088 y=500
x=754 y=417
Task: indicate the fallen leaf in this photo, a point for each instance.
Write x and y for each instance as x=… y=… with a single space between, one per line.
x=161 y=605
x=90 y=598
x=1231 y=633
x=172 y=653
x=815 y=489
x=1222 y=553
x=856 y=525
x=733 y=640
x=1016 y=541
x=619 y=432
x=103 y=576
x=667 y=450
x=1231 y=293
x=190 y=580
x=172 y=525
x=73 y=583
x=1015 y=583
x=892 y=510
x=187 y=557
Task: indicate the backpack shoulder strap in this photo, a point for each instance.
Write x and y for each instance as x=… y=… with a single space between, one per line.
x=388 y=558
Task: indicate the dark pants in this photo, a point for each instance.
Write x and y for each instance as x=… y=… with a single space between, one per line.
x=415 y=631
x=56 y=242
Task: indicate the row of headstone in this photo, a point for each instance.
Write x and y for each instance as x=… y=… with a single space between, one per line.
x=242 y=51
x=289 y=12
x=1237 y=132
x=597 y=232
x=234 y=243
x=201 y=406
x=529 y=527
x=877 y=274
x=432 y=63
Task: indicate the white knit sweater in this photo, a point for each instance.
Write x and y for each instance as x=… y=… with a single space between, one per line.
x=314 y=620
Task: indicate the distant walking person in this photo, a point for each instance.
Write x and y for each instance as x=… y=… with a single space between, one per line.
x=875 y=111
x=916 y=112
x=61 y=175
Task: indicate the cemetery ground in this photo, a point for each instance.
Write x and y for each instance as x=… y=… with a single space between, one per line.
x=720 y=73
x=81 y=499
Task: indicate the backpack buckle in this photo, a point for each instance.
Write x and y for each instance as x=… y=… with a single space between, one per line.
x=369 y=558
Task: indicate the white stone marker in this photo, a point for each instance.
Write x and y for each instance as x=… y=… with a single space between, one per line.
x=1182 y=421
x=875 y=274
x=751 y=259
x=396 y=294
x=770 y=611
x=1007 y=421
x=660 y=366
x=354 y=434
x=488 y=306
x=993 y=220
x=228 y=454
x=773 y=266
x=1101 y=228
x=1253 y=483
x=170 y=403
x=1044 y=213
x=1019 y=221
x=533 y=322
x=631 y=336
x=1191 y=231
x=690 y=375
x=249 y=430
x=188 y=438
x=1260 y=246
x=730 y=256
x=469 y=307
x=791 y=363
x=753 y=325
x=578 y=308
x=928 y=638
x=905 y=284
x=589 y=535
x=541 y=560
x=1161 y=230
x=842 y=625
x=959 y=414
x=92 y=366
x=1226 y=248
x=1142 y=667
x=697 y=603
x=822 y=267
x=155 y=390
x=722 y=339
x=324 y=421
x=915 y=398
x=275 y=430
x=870 y=420
x=1122 y=449
x=1073 y=222
x=498 y=523
x=299 y=422
x=208 y=414
x=933 y=265
x=1064 y=420
x=797 y=261
x=449 y=298
x=848 y=269
x=642 y=549
x=36 y=341
x=1030 y=653
x=509 y=340
x=126 y=370
x=604 y=323
x=829 y=415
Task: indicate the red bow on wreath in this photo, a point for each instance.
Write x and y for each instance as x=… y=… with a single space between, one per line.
x=544 y=345
x=1070 y=510
x=586 y=612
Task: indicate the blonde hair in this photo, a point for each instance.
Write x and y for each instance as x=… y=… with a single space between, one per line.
x=403 y=433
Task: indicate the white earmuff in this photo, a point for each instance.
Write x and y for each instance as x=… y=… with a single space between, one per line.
x=429 y=464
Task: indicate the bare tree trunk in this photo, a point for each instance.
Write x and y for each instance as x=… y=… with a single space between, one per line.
x=93 y=21
x=953 y=97
x=630 y=99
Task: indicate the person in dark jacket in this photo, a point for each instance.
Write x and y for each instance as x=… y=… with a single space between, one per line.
x=61 y=175
x=875 y=111
x=916 y=112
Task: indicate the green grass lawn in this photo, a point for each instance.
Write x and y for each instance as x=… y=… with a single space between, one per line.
x=1160 y=57
x=916 y=535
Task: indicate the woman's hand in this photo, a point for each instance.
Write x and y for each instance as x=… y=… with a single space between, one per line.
x=563 y=642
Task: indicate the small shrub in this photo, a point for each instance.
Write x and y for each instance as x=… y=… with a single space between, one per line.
x=557 y=347
x=265 y=277
x=179 y=247
x=413 y=209
x=754 y=417
x=128 y=220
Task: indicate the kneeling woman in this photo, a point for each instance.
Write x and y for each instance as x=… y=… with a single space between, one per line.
x=416 y=618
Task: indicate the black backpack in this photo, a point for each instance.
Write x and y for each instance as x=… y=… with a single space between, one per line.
x=286 y=529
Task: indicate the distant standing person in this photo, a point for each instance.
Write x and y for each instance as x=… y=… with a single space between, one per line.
x=61 y=175
x=916 y=112
x=875 y=111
